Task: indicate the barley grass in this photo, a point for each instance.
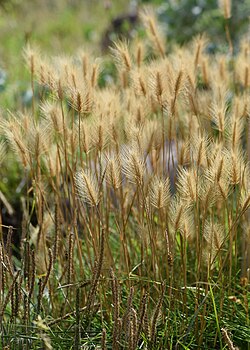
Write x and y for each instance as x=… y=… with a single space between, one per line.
x=135 y=228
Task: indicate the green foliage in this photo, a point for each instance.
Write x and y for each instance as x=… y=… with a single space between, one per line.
x=184 y=19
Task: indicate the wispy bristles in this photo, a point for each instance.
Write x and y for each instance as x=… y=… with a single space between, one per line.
x=199 y=148
x=236 y=132
x=236 y=165
x=31 y=55
x=52 y=112
x=85 y=136
x=187 y=184
x=99 y=136
x=87 y=187
x=187 y=228
x=133 y=165
x=139 y=83
x=14 y=130
x=158 y=86
x=177 y=213
x=160 y=192
x=113 y=171
x=121 y=54
x=2 y=151
x=39 y=138
x=214 y=236
x=81 y=101
x=90 y=67
x=218 y=113
x=154 y=32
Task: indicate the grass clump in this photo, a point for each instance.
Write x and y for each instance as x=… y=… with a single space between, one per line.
x=135 y=202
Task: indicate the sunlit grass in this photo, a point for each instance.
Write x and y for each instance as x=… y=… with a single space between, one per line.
x=134 y=200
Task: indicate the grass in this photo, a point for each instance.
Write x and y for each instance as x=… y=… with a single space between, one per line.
x=132 y=230
x=52 y=27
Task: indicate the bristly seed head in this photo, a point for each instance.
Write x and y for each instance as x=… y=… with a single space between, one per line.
x=87 y=188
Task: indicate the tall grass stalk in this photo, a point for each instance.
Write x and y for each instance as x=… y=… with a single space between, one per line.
x=135 y=200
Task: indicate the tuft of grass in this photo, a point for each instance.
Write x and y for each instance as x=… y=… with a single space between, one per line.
x=134 y=224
